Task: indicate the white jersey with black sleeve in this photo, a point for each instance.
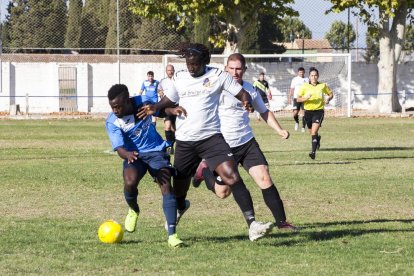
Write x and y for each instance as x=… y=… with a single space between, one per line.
x=200 y=97
x=234 y=119
x=296 y=83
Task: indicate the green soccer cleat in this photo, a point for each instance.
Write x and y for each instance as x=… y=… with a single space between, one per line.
x=174 y=241
x=131 y=221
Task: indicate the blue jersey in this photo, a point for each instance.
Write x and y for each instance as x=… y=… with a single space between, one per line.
x=132 y=133
x=151 y=90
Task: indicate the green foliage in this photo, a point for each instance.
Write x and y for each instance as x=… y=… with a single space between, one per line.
x=409 y=39
x=95 y=16
x=269 y=33
x=228 y=12
x=341 y=35
x=250 y=42
x=292 y=28
x=372 y=53
x=202 y=30
x=73 y=30
x=354 y=204
x=45 y=19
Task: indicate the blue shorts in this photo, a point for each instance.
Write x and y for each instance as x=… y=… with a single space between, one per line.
x=152 y=162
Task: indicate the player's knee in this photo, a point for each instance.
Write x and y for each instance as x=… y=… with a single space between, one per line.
x=231 y=179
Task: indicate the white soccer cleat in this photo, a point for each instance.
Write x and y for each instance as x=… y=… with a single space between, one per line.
x=259 y=229
x=296 y=126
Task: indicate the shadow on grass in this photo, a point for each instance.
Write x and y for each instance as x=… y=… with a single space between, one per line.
x=368 y=149
x=308 y=233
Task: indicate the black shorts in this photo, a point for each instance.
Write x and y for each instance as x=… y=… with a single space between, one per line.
x=188 y=154
x=249 y=155
x=297 y=105
x=314 y=116
x=170 y=118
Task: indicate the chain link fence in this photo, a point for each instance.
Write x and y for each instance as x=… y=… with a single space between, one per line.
x=67 y=53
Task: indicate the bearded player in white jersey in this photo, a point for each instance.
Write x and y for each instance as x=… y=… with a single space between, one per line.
x=235 y=127
x=198 y=136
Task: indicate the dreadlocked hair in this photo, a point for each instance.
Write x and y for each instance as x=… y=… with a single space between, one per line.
x=116 y=90
x=199 y=50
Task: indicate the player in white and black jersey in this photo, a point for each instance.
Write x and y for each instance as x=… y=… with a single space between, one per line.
x=198 y=136
x=295 y=84
x=169 y=121
x=235 y=127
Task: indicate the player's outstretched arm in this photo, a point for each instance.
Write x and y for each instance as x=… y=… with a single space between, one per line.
x=271 y=120
x=150 y=109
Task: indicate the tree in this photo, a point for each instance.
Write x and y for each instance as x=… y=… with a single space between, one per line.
x=293 y=27
x=372 y=53
x=73 y=30
x=202 y=30
x=235 y=15
x=341 y=35
x=38 y=23
x=94 y=29
x=391 y=26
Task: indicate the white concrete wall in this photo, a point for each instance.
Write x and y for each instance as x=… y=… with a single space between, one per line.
x=40 y=81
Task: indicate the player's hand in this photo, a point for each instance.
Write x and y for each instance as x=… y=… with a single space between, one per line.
x=307 y=96
x=132 y=156
x=179 y=110
x=145 y=111
x=248 y=106
x=270 y=97
x=327 y=100
x=284 y=134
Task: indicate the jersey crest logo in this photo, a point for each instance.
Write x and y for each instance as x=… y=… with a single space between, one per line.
x=206 y=82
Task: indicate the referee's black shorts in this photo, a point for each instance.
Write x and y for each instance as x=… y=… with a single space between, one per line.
x=314 y=117
x=188 y=154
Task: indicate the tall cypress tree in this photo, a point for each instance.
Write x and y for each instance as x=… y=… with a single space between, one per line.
x=94 y=29
x=18 y=24
x=127 y=23
x=73 y=30
x=250 y=42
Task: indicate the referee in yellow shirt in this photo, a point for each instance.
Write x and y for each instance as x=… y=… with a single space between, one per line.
x=312 y=94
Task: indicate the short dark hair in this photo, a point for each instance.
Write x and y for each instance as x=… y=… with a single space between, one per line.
x=261 y=73
x=313 y=69
x=301 y=69
x=239 y=57
x=199 y=50
x=151 y=73
x=117 y=90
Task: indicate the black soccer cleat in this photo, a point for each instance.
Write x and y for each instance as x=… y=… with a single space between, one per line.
x=312 y=155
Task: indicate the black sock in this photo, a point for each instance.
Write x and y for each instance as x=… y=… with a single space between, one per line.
x=274 y=203
x=132 y=200
x=244 y=200
x=296 y=117
x=181 y=202
x=209 y=178
x=303 y=122
x=314 y=142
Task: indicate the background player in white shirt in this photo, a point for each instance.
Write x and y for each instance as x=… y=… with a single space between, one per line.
x=295 y=84
x=169 y=121
x=198 y=135
x=246 y=151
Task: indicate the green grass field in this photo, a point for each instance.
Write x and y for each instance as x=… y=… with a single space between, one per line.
x=355 y=203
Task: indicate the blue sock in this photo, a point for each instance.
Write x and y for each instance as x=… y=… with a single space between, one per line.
x=169 y=206
x=132 y=200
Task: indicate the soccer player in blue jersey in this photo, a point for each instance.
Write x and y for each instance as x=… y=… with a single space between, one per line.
x=150 y=88
x=141 y=147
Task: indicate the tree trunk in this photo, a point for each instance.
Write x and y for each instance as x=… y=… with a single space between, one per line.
x=235 y=31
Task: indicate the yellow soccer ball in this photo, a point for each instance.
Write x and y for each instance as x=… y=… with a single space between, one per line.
x=110 y=231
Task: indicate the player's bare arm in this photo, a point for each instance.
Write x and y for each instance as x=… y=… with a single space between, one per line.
x=150 y=109
x=271 y=120
x=176 y=111
x=246 y=100
x=131 y=156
